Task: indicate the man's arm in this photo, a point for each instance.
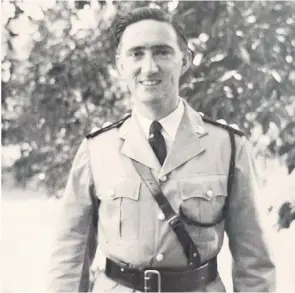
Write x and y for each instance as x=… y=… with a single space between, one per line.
x=76 y=239
x=253 y=268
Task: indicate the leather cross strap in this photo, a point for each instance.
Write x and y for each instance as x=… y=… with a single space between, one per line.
x=188 y=245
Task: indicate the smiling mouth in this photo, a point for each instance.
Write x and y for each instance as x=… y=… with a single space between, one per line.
x=150 y=82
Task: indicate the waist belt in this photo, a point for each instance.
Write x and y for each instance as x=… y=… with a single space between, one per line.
x=162 y=280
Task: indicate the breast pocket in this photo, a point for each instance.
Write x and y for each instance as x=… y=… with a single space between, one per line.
x=119 y=209
x=203 y=199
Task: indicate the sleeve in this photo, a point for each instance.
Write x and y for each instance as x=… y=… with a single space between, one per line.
x=76 y=236
x=253 y=268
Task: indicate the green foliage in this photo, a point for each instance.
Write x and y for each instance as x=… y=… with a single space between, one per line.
x=243 y=72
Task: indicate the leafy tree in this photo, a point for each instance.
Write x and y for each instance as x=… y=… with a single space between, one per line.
x=243 y=72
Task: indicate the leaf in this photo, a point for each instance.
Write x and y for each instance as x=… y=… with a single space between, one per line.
x=56 y=69
x=275 y=119
x=245 y=55
x=288 y=128
x=227 y=75
x=291 y=167
x=255 y=44
x=291 y=159
x=276 y=75
x=285 y=215
x=198 y=59
x=265 y=124
x=218 y=57
x=272 y=146
x=285 y=149
x=282 y=31
x=80 y=4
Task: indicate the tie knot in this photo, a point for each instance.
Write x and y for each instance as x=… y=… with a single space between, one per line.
x=155 y=127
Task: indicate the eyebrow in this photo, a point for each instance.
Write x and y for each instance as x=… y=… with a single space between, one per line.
x=157 y=47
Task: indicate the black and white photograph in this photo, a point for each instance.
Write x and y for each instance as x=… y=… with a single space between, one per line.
x=148 y=146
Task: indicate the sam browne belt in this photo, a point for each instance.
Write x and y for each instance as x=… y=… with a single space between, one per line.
x=162 y=280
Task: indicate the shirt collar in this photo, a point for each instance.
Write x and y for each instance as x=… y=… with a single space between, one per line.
x=169 y=123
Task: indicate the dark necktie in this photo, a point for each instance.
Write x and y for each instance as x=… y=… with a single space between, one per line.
x=157 y=141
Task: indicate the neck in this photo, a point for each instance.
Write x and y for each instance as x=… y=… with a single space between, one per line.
x=157 y=110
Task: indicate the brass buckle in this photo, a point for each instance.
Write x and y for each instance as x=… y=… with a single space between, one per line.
x=147 y=278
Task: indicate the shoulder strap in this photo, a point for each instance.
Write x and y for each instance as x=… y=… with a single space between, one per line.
x=188 y=245
x=110 y=126
x=224 y=125
x=232 y=164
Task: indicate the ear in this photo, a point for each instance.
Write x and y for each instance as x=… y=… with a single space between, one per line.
x=119 y=64
x=186 y=61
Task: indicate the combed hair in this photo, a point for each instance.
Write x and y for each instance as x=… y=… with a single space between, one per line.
x=122 y=21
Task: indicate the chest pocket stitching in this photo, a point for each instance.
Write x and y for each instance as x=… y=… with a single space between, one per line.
x=203 y=196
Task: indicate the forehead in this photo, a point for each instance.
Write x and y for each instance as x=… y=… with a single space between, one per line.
x=148 y=33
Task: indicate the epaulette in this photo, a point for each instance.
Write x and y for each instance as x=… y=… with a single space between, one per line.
x=222 y=123
x=108 y=126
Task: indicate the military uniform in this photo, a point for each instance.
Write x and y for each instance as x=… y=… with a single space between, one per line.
x=131 y=227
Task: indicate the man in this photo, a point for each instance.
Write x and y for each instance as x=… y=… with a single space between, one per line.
x=157 y=185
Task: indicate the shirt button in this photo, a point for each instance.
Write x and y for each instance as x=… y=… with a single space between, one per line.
x=161 y=217
x=209 y=193
x=163 y=178
x=200 y=129
x=160 y=257
x=112 y=193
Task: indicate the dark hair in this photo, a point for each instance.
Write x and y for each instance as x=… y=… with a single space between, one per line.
x=122 y=21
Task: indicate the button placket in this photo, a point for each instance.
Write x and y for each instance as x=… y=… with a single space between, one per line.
x=111 y=193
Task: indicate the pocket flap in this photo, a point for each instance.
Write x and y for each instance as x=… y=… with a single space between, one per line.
x=206 y=187
x=124 y=187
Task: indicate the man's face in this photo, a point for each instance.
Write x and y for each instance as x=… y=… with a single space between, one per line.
x=150 y=61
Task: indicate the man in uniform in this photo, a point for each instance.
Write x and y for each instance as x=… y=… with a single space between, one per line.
x=153 y=193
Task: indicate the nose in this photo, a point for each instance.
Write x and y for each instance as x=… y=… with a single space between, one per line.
x=149 y=65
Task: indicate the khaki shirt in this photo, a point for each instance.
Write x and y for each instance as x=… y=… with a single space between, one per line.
x=131 y=227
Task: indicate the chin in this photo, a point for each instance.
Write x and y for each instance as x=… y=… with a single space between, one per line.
x=147 y=95
x=151 y=98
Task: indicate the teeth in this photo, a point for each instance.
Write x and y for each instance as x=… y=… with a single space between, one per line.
x=150 y=82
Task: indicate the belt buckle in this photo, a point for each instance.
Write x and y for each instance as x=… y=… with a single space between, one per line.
x=147 y=278
x=174 y=221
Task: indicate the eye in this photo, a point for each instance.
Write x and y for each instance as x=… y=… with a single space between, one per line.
x=163 y=52
x=136 y=54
